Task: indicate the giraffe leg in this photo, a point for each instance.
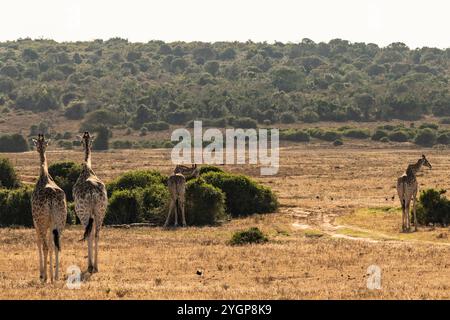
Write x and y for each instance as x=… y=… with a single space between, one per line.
x=45 y=253
x=90 y=242
x=177 y=204
x=97 y=235
x=50 y=255
x=182 y=213
x=407 y=215
x=41 y=262
x=170 y=213
x=414 y=211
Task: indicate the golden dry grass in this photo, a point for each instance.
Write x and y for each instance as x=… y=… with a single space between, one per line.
x=315 y=185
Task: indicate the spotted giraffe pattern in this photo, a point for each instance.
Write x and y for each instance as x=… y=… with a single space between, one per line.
x=407 y=188
x=91 y=200
x=49 y=211
x=177 y=189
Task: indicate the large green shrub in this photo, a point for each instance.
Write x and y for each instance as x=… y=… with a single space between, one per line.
x=443 y=138
x=209 y=168
x=433 y=207
x=155 y=200
x=13 y=143
x=357 y=133
x=243 y=195
x=398 y=136
x=8 y=176
x=425 y=137
x=295 y=135
x=379 y=134
x=251 y=236
x=136 y=179
x=15 y=207
x=65 y=175
x=205 y=204
x=124 y=207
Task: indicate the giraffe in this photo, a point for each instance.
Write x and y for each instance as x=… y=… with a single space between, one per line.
x=177 y=189
x=407 y=188
x=91 y=201
x=49 y=210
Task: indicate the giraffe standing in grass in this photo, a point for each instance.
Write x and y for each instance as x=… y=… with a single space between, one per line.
x=49 y=210
x=407 y=188
x=177 y=189
x=91 y=201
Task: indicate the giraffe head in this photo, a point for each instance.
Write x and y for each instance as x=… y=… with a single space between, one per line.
x=425 y=162
x=41 y=144
x=86 y=140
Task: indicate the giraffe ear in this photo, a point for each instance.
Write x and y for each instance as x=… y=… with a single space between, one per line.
x=34 y=142
x=423 y=156
x=92 y=137
x=79 y=137
x=48 y=142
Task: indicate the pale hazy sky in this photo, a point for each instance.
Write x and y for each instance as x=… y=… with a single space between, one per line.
x=416 y=23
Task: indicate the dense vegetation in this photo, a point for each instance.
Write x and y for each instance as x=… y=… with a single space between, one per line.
x=142 y=196
x=433 y=208
x=149 y=85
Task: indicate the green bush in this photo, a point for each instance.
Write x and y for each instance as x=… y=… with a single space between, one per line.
x=384 y=139
x=8 y=176
x=327 y=135
x=445 y=120
x=209 y=168
x=15 y=207
x=101 y=142
x=205 y=204
x=338 y=143
x=288 y=117
x=243 y=195
x=123 y=208
x=13 y=143
x=245 y=123
x=433 y=207
x=295 y=135
x=379 y=134
x=156 y=126
x=425 y=125
x=155 y=200
x=252 y=235
x=136 y=179
x=76 y=110
x=398 y=136
x=425 y=137
x=122 y=144
x=357 y=133
x=443 y=138
x=65 y=175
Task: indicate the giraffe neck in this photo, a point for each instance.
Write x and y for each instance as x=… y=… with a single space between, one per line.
x=414 y=168
x=44 y=166
x=87 y=157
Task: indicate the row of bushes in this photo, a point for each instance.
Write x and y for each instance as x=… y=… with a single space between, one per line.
x=427 y=135
x=143 y=196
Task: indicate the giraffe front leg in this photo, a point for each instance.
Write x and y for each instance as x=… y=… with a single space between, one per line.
x=407 y=215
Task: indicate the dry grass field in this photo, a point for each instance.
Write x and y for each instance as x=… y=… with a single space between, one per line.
x=336 y=218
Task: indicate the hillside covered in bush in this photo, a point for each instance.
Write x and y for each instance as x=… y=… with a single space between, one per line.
x=146 y=86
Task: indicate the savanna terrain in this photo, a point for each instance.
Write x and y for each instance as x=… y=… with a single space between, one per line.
x=339 y=214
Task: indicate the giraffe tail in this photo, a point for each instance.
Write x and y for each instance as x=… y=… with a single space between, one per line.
x=88 y=229
x=56 y=239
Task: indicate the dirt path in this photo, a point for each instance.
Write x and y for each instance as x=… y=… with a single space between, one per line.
x=325 y=223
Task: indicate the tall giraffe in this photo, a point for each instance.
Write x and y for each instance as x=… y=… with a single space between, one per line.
x=177 y=189
x=91 y=201
x=49 y=210
x=407 y=188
